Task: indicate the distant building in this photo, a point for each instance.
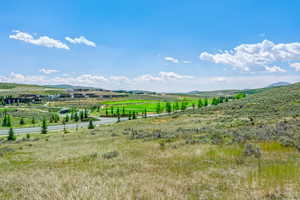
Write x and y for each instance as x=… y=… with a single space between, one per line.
x=78 y=95
x=65 y=96
x=92 y=95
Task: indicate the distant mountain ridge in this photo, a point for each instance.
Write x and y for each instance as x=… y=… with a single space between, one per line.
x=278 y=84
x=233 y=91
x=66 y=86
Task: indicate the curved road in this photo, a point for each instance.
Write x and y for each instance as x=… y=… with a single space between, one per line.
x=102 y=120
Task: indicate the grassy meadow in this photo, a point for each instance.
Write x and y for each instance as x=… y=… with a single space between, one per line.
x=242 y=149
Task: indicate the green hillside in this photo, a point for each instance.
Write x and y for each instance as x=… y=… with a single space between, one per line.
x=16 y=89
x=242 y=149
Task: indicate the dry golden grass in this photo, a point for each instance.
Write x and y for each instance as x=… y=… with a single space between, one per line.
x=71 y=166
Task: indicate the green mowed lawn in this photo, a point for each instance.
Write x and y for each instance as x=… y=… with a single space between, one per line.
x=151 y=106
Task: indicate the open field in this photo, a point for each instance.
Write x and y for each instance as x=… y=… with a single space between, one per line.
x=243 y=149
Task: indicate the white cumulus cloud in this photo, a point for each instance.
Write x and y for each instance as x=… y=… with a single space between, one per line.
x=81 y=40
x=250 y=56
x=275 y=69
x=296 y=66
x=44 y=41
x=171 y=59
x=48 y=71
x=163 y=76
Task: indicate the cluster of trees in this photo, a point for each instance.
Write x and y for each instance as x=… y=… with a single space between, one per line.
x=240 y=96
x=76 y=116
x=6 y=120
x=54 y=118
x=3 y=100
x=171 y=107
x=112 y=112
x=218 y=100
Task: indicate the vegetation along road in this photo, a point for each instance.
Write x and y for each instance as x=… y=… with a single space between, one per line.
x=102 y=120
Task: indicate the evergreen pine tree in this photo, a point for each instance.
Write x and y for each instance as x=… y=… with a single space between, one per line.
x=44 y=127
x=91 y=125
x=183 y=106
x=4 y=122
x=176 y=105
x=168 y=107
x=106 y=112
x=112 y=111
x=33 y=120
x=22 y=122
x=133 y=115
x=72 y=115
x=76 y=117
x=81 y=114
x=205 y=102
x=8 y=123
x=86 y=113
x=11 y=135
x=158 y=108
x=123 y=111
x=200 y=104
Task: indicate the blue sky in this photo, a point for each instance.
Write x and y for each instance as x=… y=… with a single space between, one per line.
x=155 y=45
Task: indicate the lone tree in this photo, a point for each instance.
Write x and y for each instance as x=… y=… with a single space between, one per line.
x=11 y=135
x=22 y=122
x=33 y=120
x=91 y=125
x=44 y=127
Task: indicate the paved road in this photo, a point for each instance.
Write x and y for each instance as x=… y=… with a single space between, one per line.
x=102 y=120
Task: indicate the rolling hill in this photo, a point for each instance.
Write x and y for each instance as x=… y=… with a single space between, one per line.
x=241 y=149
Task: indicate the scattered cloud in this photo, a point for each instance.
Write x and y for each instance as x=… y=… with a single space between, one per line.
x=248 y=57
x=171 y=59
x=187 y=62
x=48 y=71
x=44 y=41
x=275 y=69
x=296 y=66
x=119 y=78
x=163 y=81
x=81 y=40
x=163 y=76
